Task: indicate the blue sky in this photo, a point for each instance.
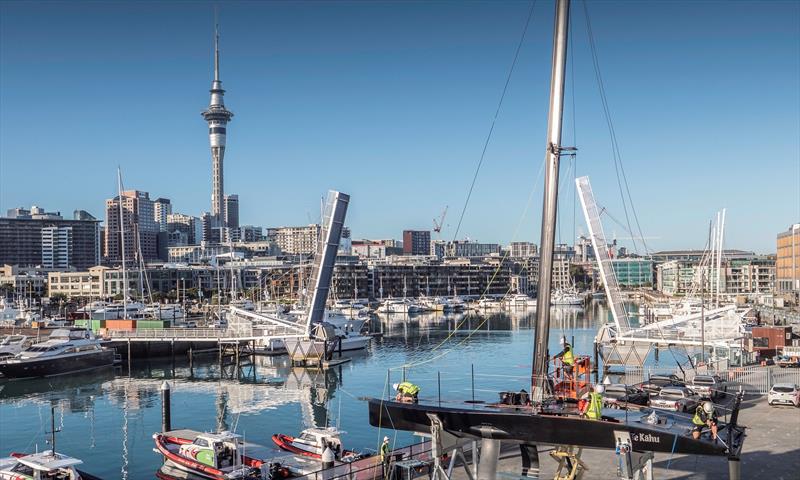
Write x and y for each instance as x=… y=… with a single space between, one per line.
x=391 y=102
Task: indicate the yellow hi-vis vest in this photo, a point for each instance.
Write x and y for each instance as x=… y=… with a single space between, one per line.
x=408 y=388
x=384 y=450
x=595 y=410
x=697 y=419
x=568 y=358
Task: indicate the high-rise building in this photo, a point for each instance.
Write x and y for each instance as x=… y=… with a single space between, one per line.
x=232 y=211
x=187 y=225
x=416 y=242
x=161 y=208
x=523 y=249
x=138 y=226
x=56 y=247
x=35 y=237
x=206 y=226
x=249 y=233
x=787 y=264
x=217 y=117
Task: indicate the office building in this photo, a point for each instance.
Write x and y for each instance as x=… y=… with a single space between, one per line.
x=416 y=242
x=787 y=271
x=633 y=272
x=56 y=247
x=232 y=211
x=24 y=282
x=187 y=225
x=522 y=249
x=138 y=226
x=161 y=209
x=68 y=243
x=295 y=240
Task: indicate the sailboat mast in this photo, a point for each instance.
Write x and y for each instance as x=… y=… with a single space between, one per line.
x=122 y=243
x=552 y=154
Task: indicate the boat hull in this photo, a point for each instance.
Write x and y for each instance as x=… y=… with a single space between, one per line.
x=60 y=365
x=520 y=425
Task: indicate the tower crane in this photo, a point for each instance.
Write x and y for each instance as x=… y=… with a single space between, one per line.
x=438 y=224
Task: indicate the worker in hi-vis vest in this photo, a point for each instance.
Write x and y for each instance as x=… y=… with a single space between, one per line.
x=594 y=407
x=406 y=392
x=566 y=356
x=704 y=416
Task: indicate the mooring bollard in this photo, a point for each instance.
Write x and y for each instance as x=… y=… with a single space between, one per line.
x=327 y=463
x=166 y=422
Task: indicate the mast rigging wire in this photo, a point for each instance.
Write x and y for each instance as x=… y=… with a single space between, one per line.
x=618 y=166
x=494 y=120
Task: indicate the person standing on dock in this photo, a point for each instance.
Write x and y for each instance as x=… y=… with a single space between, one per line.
x=594 y=408
x=566 y=356
x=704 y=416
x=385 y=457
x=407 y=392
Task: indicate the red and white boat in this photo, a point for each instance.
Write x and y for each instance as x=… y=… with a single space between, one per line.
x=218 y=456
x=313 y=441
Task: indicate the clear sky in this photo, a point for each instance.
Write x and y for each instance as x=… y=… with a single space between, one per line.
x=391 y=102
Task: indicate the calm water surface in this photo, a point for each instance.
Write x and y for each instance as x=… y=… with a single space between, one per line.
x=107 y=418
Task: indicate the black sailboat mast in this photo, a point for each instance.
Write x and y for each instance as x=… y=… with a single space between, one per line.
x=552 y=154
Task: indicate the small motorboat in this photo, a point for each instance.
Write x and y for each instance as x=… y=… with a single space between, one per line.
x=313 y=441
x=47 y=464
x=218 y=456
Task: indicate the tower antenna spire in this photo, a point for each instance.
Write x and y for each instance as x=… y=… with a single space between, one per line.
x=216 y=46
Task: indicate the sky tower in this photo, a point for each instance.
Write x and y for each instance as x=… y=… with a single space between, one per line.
x=217 y=117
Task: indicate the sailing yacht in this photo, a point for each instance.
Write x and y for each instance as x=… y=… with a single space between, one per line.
x=519 y=301
x=541 y=417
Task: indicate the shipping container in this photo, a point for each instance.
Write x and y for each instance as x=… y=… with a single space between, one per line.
x=121 y=324
x=151 y=324
x=96 y=325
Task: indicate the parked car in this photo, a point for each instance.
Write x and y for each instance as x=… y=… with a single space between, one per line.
x=785 y=362
x=784 y=393
x=656 y=382
x=618 y=394
x=709 y=386
x=676 y=399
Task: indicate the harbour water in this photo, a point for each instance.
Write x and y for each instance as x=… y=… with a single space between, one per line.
x=107 y=418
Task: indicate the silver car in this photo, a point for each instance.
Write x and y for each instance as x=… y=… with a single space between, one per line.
x=709 y=386
x=784 y=393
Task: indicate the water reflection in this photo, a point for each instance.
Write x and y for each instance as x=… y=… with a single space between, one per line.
x=118 y=412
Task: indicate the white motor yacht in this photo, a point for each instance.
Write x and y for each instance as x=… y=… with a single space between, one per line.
x=518 y=301
x=11 y=345
x=566 y=298
x=67 y=350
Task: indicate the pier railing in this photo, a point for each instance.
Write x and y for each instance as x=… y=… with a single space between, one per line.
x=371 y=468
x=198 y=333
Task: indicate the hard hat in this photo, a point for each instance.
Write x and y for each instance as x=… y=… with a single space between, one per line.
x=385 y=439
x=708 y=407
x=599 y=389
x=562 y=340
x=395 y=386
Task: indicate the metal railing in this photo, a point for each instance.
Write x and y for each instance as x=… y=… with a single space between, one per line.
x=371 y=467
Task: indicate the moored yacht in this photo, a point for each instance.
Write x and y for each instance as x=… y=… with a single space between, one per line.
x=566 y=298
x=519 y=300
x=67 y=350
x=11 y=345
x=44 y=465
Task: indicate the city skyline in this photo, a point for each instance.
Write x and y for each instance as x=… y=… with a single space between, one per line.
x=407 y=160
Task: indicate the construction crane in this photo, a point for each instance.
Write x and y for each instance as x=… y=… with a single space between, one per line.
x=438 y=224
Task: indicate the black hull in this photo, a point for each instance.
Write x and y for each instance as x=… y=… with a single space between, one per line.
x=521 y=426
x=57 y=365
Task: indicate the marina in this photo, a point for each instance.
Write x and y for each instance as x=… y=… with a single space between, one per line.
x=148 y=343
